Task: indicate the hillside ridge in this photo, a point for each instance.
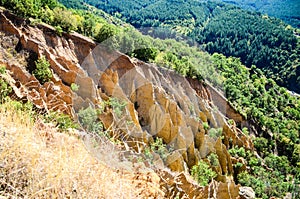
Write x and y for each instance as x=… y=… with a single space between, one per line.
x=150 y=110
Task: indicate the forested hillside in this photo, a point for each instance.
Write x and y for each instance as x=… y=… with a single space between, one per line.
x=285 y=10
x=256 y=39
x=273 y=168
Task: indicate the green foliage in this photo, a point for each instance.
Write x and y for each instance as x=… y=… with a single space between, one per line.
x=65 y=19
x=157 y=147
x=263 y=101
x=205 y=126
x=266 y=183
x=75 y=4
x=20 y=107
x=160 y=148
x=62 y=121
x=118 y=105
x=59 y=30
x=285 y=10
x=237 y=152
x=22 y=7
x=260 y=40
x=88 y=118
x=145 y=53
x=279 y=163
x=28 y=8
x=5 y=89
x=148 y=154
x=268 y=177
x=42 y=71
x=215 y=133
x=231 y=121
x=74 y=87
x=106 y=32
x=202 y=173
x=263 y=41
x=213 y=159
x=261 y=144
x=245 y=131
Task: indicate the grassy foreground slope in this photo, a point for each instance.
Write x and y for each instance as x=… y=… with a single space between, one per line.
x=38 y=161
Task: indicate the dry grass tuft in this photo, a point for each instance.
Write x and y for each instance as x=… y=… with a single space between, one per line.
x=38 y=162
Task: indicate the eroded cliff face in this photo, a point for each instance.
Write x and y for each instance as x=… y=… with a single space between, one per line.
x=159 y=102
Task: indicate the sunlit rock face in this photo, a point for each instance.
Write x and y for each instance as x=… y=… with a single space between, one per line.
x=163 y=104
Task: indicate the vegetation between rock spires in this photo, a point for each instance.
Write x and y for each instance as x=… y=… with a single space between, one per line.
x=117 y=105
x=62 y=121
x=5 y=89
x=88 y=118
x=74 y=87
x=42 y=71
x=202 y=173
x=159 y=148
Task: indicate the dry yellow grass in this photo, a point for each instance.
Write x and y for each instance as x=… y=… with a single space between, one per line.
x=36 y=161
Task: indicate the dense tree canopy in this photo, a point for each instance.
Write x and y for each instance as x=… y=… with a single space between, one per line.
x=285 y=10
x=257 y=39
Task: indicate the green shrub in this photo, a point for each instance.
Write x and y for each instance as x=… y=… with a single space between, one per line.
x=60 y=120
x=20 y=107
x=5 y=89
x=59 y=30
x=65 y=19
x=118 y=105
x=245 y=131
x=42 y=71
x=245 y=179
x=74 y=87
x=261 y=144
x=213 y=159
x=146 y=53
x=148 y=154
x=157 y=147
x=107 y=31
x=231 y=122
x=202 y=173
x=215 y=133
x=205 y=126
x=160 y=148
x=88 y=118
x=107 y=36
x=237 y=152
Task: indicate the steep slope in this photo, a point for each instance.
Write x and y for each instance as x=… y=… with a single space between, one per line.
x=158 y=103
x=40 y=162
x=152 y=110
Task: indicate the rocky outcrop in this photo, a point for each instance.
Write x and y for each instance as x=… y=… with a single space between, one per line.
x=62 y=55
x=247 y=193
x=182 y=186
